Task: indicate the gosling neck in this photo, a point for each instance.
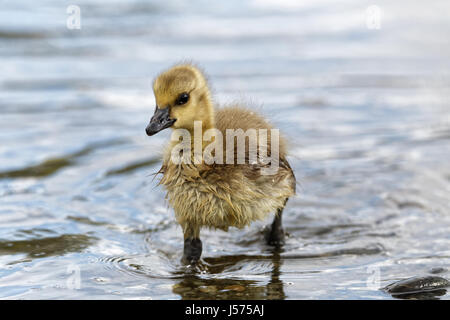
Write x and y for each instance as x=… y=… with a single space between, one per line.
x=205 y=122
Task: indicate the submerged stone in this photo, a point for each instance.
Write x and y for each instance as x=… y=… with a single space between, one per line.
x=437 y=270
x=417 y=285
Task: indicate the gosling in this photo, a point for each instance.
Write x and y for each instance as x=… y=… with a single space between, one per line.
x=215 y=194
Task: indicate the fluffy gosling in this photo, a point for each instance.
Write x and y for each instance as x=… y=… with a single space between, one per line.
x=219 y=194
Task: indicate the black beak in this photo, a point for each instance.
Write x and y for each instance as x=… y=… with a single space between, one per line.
x=160 y=121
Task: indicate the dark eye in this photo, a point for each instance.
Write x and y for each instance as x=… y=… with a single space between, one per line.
x=182 y=98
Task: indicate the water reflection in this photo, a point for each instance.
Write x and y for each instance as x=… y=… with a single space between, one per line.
x=133 y=166
x=53 y=165
x=46 y=247
x=194 y=286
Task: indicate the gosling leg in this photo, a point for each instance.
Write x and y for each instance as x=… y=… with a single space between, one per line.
x=192 y=245
x=275 y=237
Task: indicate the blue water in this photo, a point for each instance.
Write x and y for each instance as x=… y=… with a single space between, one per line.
x=366 y=112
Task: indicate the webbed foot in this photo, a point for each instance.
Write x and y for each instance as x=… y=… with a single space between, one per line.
x=192 y=251
x=275 y=237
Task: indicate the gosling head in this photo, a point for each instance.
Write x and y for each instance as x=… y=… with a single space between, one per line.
x=182 y=97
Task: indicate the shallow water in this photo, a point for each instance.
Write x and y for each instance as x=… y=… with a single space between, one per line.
x=366 y=112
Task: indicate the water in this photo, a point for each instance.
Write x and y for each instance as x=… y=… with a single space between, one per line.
x=366 y=112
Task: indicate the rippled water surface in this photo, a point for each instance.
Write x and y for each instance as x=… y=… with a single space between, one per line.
x=366 y=112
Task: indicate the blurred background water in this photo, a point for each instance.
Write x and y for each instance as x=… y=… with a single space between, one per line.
x=364 y=103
